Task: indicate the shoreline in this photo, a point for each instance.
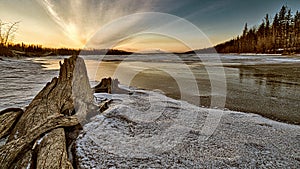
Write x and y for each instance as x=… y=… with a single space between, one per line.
x=33 y=55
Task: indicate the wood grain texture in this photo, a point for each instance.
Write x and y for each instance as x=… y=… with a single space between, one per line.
x=38 y=140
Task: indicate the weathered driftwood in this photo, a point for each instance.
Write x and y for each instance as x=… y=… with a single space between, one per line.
x=109 y=85
x=68 y=94
x=13 y=149
x=8 y=119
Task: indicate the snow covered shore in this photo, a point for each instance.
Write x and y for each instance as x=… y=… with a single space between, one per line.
x=150 y=130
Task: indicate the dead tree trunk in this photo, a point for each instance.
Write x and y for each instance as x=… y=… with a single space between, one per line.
x=8 y=119
x=40 y=142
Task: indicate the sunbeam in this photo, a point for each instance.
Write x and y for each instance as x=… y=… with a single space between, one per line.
x=79 y=20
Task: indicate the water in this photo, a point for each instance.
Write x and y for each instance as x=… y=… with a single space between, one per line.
x=262 y=84
x=20 y=81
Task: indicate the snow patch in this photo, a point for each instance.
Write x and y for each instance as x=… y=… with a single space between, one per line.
x=152 y=130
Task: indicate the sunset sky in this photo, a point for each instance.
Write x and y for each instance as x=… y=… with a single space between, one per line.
x=135 y=25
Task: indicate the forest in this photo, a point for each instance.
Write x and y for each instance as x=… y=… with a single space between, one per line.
x=281 y=35
x=9 y=49
x=12 y=50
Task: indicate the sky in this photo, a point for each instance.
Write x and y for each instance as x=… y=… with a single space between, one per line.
x=135 y=25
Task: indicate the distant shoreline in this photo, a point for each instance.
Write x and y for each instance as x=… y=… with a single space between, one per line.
x=37 y=55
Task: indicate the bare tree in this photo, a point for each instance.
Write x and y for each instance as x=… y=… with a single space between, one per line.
x=7 y=31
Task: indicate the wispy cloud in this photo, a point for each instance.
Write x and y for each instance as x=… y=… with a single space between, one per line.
x=80 y=19
x=103 y=24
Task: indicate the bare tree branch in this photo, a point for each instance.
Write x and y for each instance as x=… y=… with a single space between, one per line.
x=12 y=28
x=7 y=31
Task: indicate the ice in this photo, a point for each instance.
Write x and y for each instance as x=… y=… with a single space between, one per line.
x=285 y=60
x=20 y=81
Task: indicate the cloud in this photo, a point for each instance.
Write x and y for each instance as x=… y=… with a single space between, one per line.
x=102 y=24
x=79 y=20
x=162 y=25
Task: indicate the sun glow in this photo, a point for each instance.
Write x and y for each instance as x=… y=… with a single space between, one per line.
x=83 y=18
x=73 y=23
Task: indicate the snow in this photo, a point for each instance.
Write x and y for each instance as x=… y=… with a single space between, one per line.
x=276 y=60
x=28 y=166
x=148 y=129
x=3 y=141
x=16 y=134
x=256 y=59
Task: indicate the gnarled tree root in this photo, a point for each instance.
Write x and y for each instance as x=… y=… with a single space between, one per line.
x=38 y=139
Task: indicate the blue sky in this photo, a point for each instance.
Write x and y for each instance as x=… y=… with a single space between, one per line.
x=224 y=19
x=72 y=23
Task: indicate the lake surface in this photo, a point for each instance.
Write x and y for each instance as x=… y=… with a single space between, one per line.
x=262 y=84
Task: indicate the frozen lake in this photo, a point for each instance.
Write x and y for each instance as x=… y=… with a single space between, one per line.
x=262 y=84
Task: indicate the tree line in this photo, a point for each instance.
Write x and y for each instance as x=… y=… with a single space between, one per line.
x=281 y=35
x=32 y=50
x=9 y=49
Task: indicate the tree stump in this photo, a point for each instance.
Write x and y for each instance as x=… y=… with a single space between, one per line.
x=109 y=85
x=38 y=139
